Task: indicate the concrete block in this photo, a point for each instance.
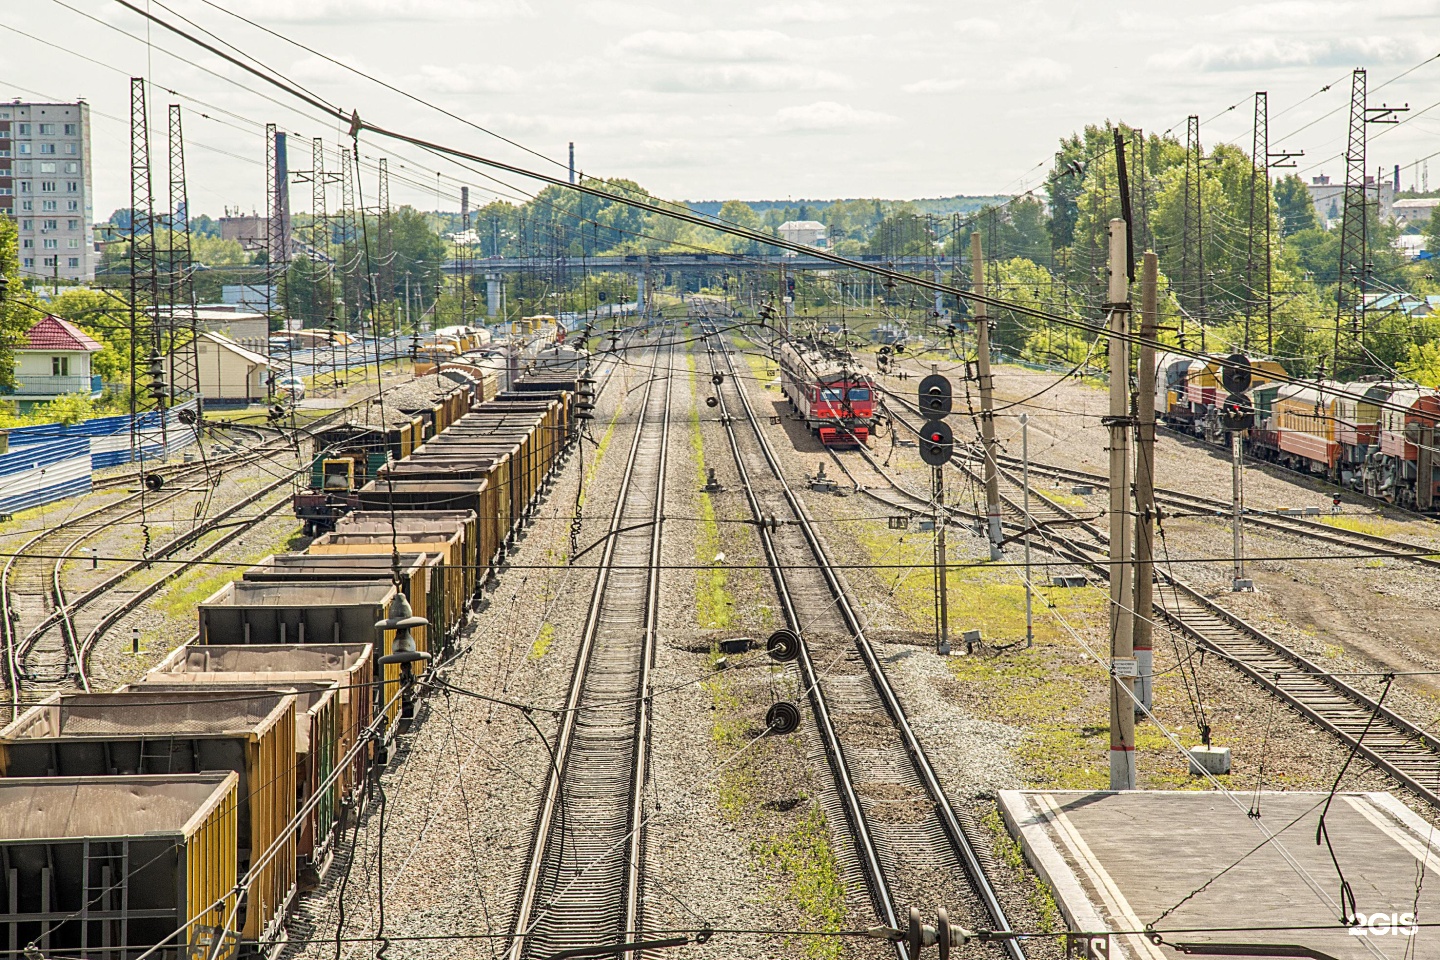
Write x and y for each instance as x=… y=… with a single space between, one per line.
x=1212 y=760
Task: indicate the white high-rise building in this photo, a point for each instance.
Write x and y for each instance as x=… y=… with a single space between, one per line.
x=46 y=186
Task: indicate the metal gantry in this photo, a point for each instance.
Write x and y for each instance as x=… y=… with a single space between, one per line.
x=144 y=269
x=1192 y=242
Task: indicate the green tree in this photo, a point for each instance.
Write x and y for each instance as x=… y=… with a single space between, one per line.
x=1292 y=204
x=1432 y=233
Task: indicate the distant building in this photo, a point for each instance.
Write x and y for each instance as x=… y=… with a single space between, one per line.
x=811 y=233
x=256 y=297
x=250 y=231
x=53 y=361
x=45 y=185
x=229 y=373
x=1329 y=198
x=1410 y=304
x=1415 y=211
x=236 y=322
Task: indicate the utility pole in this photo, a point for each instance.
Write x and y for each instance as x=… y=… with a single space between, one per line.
x=1144 y=627
x=1025 y=484
x=987 y=397
x=1122 y=650
x=1259 y=148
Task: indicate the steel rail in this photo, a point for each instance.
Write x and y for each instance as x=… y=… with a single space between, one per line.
x=919 y=760
x=529 y=913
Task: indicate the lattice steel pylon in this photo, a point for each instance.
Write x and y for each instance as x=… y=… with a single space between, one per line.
x=1257 y=262
x=1192 y=240
x=318 y=255
x=144 y=270
x=1351 y=280
x=180 y=318
x=385 y=285
x=352 y=281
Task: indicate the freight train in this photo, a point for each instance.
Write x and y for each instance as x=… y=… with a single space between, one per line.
x=1373 y=436
x=244 y=752
x=833 y=394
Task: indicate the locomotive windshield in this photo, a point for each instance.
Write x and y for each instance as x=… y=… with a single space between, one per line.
x=859 y=393
x=830 y=394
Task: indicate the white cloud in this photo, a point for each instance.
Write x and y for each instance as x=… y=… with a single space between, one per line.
x=804 y=11
x=750 y=78
x=826 y=115
x=617 y=13
x=330 y=11
x=709 y=45
x=1032 y=72
x=936 y=85
x=478 y=78
x=978 y=28
x=1273 y=52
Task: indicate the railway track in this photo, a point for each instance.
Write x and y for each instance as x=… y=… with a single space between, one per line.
x=581 y=884
x=53 y=653
x=1391 y=742
x=907 y=841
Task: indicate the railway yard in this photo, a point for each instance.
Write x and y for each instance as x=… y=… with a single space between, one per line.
x=655 y=671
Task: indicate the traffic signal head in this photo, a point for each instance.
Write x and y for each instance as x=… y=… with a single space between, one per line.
x=1235 y=373
x=936 y=395
x=937 y=443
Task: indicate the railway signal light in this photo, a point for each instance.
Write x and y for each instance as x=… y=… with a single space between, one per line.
x=936 y=395
x=1237 y=412
x=937 y=443
x=1236 y=374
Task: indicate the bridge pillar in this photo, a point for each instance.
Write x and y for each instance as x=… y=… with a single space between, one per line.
x=492 y=294
x=640 y=293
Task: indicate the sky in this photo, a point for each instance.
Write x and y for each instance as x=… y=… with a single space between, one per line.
x=751 y=99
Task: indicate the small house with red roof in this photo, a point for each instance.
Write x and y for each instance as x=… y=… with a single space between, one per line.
x=52 y=361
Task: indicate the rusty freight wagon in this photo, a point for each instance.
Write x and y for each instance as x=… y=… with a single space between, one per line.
x=422 y=573
x=104 y=734
x=317 y=734
x=113 y=866
x=455 y=534
x=350 y=666
x=318 y=612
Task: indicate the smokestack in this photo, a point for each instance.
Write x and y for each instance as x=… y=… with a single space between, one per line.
x=280 y=203
x=1397 y=178
x=465 y=207
x=572 y=161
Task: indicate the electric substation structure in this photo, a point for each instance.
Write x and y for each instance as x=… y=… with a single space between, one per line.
x=181 y=331
x=145 y=326
x=1353 y=278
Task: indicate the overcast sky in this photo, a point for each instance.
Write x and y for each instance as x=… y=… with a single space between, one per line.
x=743 y=98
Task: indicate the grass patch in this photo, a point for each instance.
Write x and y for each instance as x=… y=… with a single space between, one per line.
x=1373 y=526
x=1037 y=891
x=544 y=641
x=803 y=856
x=188 y=590
x=712 y=599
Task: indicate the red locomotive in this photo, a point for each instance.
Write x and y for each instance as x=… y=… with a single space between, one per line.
x=834 y=395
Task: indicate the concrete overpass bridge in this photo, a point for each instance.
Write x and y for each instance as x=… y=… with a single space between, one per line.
x=667 y=265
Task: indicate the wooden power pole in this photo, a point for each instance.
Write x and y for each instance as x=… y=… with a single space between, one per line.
x=987 y=398
x=1122 y=651
x=1146 y=518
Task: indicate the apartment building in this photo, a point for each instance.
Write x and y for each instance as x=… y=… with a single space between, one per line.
x=46 y=186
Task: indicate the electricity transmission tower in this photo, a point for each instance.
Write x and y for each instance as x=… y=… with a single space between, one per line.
x=180 y=290
x=1192 y=239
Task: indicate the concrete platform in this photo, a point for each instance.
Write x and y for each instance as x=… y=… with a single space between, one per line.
x=1118 y=861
